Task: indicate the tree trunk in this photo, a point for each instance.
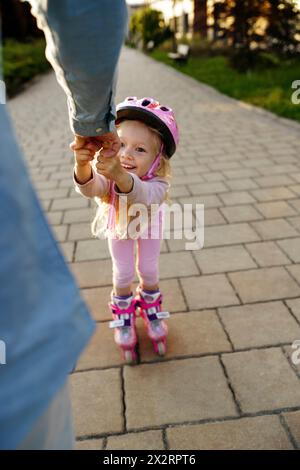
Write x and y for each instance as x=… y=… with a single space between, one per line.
x=174 y=27
x=217 y=9
x=240 y=37
x=17 y=21
x=200 y=18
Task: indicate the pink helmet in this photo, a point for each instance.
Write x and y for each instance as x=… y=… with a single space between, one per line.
x=155 y=115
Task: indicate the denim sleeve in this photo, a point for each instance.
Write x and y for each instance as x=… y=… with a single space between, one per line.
x=84 y=39
x=44 y=323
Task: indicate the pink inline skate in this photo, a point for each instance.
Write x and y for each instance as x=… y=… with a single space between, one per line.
x=149 y=305
x=123 y=312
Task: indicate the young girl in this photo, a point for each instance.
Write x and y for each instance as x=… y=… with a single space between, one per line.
x=140 y=174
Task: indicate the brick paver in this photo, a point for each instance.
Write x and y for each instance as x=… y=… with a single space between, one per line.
x=262 y=380
x=149 y=440
x=260 y=324
x=176 y=391
x=227 y=380
x=263 y=432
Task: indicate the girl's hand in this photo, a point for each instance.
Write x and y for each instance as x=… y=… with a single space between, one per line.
x=109 y=142
x=112 y=169
x=84 y=156
x=84 y=152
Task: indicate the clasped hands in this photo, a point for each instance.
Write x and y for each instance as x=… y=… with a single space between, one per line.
x=105 y=148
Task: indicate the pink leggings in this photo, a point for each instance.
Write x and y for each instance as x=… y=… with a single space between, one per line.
x=122 y=254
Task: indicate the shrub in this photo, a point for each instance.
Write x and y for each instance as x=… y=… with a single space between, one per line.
x=22 y=61
x=148 y=25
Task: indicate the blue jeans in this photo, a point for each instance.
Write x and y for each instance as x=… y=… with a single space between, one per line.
x=44 y=323
x=54 y=429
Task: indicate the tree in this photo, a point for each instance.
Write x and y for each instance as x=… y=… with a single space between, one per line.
x=220 y=13
x=200 y=18
x=283 y=25
x=17 y=21
x=148 y=25
x=251 y=26
x=240 y=27
x=245 y=15
x=238 y=20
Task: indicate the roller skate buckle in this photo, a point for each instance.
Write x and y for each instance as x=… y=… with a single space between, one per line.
x=116 y=323
x=161 y=315
x=123 y=311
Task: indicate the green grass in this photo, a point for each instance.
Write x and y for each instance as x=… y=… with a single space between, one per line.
x=21 y=62
x=269 y=88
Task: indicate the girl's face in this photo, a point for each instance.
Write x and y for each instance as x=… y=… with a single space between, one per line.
x=139 y=147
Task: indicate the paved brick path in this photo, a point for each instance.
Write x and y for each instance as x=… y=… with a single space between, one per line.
x=227 y=380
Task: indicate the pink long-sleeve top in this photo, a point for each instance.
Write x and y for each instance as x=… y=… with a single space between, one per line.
x=147 y=192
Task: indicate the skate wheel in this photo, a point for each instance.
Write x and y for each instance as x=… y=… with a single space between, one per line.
x=161 y=348
x=129 y=356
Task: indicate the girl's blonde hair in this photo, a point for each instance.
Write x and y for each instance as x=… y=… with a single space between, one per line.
x=163 y=171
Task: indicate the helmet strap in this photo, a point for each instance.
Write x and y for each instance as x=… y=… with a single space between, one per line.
x=150 y=173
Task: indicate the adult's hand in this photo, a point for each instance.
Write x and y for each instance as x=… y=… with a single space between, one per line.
x=109 y=143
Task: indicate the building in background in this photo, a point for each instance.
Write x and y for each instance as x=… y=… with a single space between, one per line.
x=179 y=14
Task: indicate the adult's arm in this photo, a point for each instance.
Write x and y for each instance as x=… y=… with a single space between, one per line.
x=84 y=39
